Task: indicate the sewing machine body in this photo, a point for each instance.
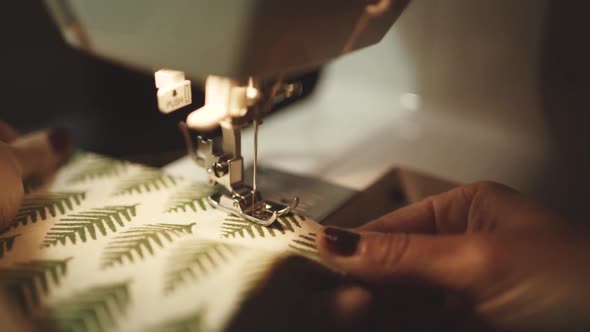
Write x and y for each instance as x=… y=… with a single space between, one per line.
x=452 y=90
x=237 y=39
x=245 y=49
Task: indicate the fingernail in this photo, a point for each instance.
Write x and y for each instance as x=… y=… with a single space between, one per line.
x=341 y=242
x=60 y=139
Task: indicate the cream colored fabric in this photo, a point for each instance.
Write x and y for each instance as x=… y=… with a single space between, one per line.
x=107 y=245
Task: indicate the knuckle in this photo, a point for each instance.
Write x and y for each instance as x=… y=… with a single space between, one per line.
x=470 y=192
x=387 y=250
x=480 y=257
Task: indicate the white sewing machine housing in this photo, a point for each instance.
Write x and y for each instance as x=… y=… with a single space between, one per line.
x=237 y=39
x=245 y=49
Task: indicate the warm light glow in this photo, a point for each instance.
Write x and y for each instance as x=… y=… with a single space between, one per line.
x=251 y=91
x=205 y=118
x=411 y=101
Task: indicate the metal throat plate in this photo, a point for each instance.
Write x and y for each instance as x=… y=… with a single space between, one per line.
x=317 y=198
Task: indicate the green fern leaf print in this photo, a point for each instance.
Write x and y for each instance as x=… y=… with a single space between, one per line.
x=304 y=245
x=193 y=261
x=235 y=226
x=141 y=240
x=97 y=309
x=38 y=206
x=188 y=323
x=98 y=168
x=6 y=244
x=86 y=224
x=25 y=282
x=145 y=181
x=193 y=198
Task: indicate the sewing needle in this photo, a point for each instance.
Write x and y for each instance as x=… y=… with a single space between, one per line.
x=255 y=164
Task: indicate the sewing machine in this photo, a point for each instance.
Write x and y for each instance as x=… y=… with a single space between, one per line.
x=457 y=88
x=244 y=49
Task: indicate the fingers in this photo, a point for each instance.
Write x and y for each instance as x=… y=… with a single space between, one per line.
x=11 y=317
x=36 y=154
x=415 y=218
x=349 y=306
x=11 y=186
x=7 y=133
x=453 y=262
x=451 y=212
x=41 y=152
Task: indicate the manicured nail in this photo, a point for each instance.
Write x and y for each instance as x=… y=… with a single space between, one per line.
x=60 y=139
x=341 y=242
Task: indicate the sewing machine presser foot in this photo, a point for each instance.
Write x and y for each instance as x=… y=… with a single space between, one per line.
x=249 y=205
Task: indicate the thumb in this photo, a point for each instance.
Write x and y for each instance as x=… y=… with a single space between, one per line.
x=450 y=261
x=40 y=153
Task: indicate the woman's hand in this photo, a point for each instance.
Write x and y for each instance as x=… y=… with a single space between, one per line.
x=23 y=156
x=519 y=265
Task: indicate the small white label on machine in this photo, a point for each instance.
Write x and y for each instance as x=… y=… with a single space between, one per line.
x=174 y=91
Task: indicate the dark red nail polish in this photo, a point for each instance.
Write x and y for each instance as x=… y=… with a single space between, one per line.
x=341 y=242
x=60 y=139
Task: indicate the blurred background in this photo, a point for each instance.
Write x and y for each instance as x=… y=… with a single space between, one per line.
x=514 y=75
x=111 y=109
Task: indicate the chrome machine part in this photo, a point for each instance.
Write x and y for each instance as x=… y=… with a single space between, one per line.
x=233 y=106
